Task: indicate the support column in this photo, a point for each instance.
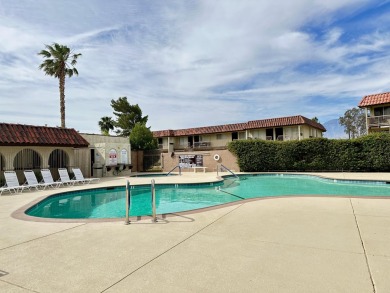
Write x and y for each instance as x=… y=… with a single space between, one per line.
x=299 y=132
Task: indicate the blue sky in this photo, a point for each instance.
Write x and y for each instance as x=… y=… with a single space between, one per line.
x=194 y=63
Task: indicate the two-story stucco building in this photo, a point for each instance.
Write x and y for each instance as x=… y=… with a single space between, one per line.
x=377 y=108
x=198 y=145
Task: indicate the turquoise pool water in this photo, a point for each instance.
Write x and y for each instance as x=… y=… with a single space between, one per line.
x=110 y=202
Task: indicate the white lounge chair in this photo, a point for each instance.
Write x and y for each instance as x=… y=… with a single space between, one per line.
x=12 y=181
x=64 y=177
x=79 y=176
x=47 y=178
x=32 y=182
x=6 y=188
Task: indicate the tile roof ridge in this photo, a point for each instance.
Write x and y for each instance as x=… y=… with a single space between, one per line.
x=377 y=94
x=30 y=125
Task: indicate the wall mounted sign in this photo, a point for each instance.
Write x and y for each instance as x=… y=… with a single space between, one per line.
x=124 y=159
x=112 y=157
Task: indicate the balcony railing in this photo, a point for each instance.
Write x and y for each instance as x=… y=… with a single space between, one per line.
x=202 y=144
x=379 y=121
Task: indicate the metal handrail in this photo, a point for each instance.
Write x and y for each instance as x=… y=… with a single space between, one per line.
x=227 y=169
x=128 y=196
x=178 y=166
x=153 y=190
x=379 y=120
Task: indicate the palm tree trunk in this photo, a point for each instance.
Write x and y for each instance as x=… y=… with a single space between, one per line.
x=62 y=99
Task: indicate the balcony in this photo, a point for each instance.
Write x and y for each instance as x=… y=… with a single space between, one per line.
x=202 y=144
x=382 y=121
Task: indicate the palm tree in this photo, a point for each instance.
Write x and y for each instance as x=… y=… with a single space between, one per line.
x=59 y=62
x=106 y=124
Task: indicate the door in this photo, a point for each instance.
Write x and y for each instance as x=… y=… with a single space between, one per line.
x=92 y=161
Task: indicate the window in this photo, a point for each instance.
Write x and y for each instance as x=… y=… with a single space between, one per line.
x=219 y=136
x=183 y=141
x=380 y=111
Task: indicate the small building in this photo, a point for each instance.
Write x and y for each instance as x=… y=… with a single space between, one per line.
x=106 y=155
x=199 y=146
x=28 y=147
x=377 y=108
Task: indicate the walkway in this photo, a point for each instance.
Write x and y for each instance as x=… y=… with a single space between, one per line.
x=301 y=244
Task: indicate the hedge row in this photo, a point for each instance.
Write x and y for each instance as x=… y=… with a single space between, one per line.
x=367 y=153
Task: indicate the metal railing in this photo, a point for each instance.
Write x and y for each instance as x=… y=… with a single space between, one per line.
x=383 y=120
x=227 y=169
x=178 y=166
x=153 y=191
x=128 y=196
x=153 y=202
x=201 y=144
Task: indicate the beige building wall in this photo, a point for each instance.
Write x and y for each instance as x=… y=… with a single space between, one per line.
x=10 y=152
x=226 y=158
x=219 y=139
x=107 y=150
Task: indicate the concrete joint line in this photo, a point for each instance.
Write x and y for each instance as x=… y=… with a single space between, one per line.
x=169 y=249
x=12 y=284
x=364 y=248
x=42 y=237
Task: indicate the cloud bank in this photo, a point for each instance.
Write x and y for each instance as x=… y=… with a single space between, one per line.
x=194 y=63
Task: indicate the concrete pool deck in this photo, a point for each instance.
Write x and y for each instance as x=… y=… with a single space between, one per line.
x=297 y=244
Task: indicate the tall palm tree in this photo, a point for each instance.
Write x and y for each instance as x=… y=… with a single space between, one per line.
x=106 y=124
x=59 y=62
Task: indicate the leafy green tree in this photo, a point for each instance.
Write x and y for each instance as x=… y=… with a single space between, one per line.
x=141 y=138
x=127 y=116
x=354 y=122
x=59 y=62
x=106 y=124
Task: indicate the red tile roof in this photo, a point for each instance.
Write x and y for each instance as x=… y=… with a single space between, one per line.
x=255 y=124
x=28 y=135
x=376 y=99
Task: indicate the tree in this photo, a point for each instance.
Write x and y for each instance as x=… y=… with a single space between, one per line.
x=106 y=124
x=354 y=122
x=59 y=62
x=315 y=119
x=127 y=116
x=141 y=138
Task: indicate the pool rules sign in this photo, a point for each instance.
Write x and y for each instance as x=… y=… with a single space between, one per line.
x=112 y=157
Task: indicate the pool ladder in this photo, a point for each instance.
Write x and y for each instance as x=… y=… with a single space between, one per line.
x=220 y=166
x=128 y=203
x=178 y=166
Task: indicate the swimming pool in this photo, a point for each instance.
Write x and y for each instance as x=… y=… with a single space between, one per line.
x=170 y=198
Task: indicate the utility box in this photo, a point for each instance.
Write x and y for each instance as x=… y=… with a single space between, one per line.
x=98 y=170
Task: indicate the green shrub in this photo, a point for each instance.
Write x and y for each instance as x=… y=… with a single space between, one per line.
x=368 y=153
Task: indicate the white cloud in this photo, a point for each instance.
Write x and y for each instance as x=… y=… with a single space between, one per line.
x=190 y=63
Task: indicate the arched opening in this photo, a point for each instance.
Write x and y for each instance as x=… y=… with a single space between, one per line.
x=2 y=165
x=26 y=159
x=58 y=159
x=2 y=162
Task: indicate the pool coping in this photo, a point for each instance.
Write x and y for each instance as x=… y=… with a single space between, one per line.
x=21 y=215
